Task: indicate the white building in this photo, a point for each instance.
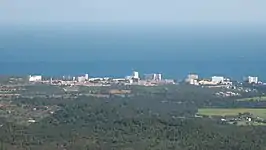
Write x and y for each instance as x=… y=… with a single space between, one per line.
x=31 y=121
x=154 y=77
x=135 y=75
x=96 y=79
x=158 y=77
x=253 y=79
x=86 y=76
x=119 y=80
x=168 y=81
x=81 y=79
x=130 y=81
x=192 y=79
x=193 y=82
x=206 y=82
x=217 y=79
x=35 y=78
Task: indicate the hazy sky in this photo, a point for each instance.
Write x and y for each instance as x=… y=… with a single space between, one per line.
x=133 y=11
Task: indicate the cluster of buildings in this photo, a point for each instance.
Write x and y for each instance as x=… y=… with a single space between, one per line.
x=194 y=79
x=215 y=80
x=227 y=94
x=153 y=77
x=8 y=92
x=134 y=79
x=242 y=119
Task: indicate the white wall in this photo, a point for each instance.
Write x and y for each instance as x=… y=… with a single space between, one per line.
x=35 y=78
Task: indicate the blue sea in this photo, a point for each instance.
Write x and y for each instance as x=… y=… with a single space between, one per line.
x=116 y=52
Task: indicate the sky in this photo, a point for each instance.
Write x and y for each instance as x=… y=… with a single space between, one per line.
x=168 y=12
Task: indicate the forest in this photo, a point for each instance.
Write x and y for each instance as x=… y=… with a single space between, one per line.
x=151 y=119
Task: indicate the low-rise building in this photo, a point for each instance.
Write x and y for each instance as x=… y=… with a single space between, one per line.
x=192 y=79
x=81 y=79
x=207 y=82
x=96 y=79
x=193 y=82
x=218 y=79
x=35 y=78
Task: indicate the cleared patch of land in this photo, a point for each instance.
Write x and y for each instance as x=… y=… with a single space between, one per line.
x=262 y=98
x=231 y=112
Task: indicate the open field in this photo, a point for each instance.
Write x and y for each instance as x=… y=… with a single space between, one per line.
x=230 y=112
x=263 y=98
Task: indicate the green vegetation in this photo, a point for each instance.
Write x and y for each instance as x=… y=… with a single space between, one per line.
x=231 y=112
x=261 y=98
x=90 y=123
x=149 y=118
x=42 y=89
